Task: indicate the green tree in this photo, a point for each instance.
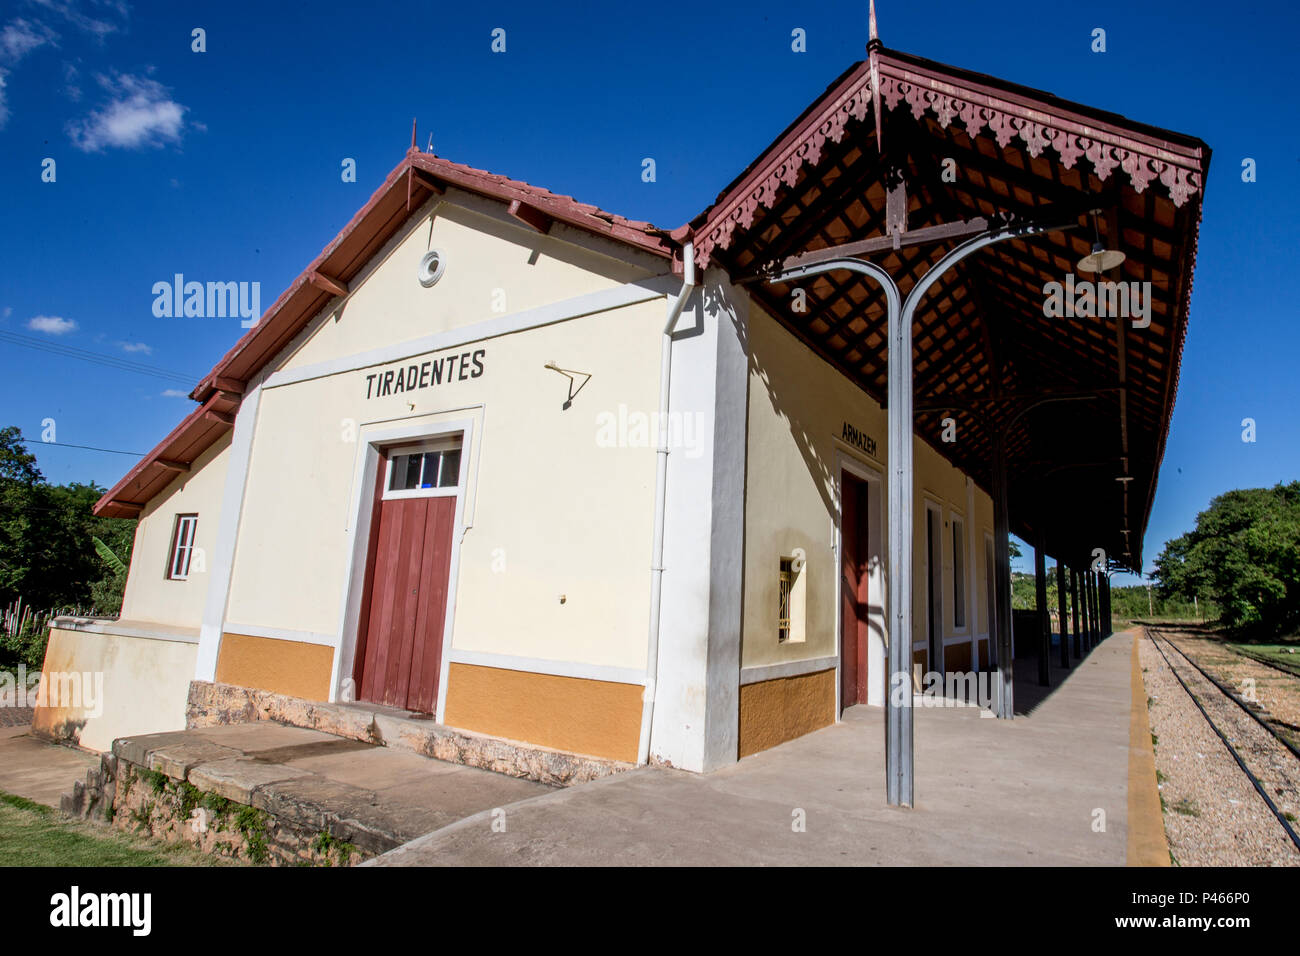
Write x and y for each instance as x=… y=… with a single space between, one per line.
x=47 y=550
x=1244 y=554
x=19 y=479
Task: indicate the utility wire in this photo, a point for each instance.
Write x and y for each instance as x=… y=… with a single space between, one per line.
x=63 y=444
x=98 y=358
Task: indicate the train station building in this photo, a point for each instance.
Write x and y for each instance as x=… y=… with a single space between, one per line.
x=534 y=471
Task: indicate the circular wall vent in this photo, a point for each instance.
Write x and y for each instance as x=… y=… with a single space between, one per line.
x=431 y=267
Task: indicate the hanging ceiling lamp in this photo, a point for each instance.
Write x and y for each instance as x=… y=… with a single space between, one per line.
x=1100 y=259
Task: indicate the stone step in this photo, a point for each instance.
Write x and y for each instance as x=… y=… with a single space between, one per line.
x=214 y=704
x=309 y=797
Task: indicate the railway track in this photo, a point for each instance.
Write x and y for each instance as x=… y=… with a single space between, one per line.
x=1259 y=660
x=1270 y=762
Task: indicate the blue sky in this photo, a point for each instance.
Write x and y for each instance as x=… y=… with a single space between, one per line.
x=224 y=165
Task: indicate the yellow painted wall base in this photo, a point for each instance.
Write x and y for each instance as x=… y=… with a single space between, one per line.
x=593 y=717
x=283 y=667
x=774 y=711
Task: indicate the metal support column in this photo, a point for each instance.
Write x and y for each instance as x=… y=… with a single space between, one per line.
x=1096 y=608
x=1060 y=613
x=1003 y=702
x=1074 y=612
x=898 y=712
x=1107 y=626
x=1085 y=606
x=1091 y=595
x=1044 y=619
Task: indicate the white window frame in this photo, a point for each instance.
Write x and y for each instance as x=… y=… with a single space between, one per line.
x=797 y=632
x=960 y=577
x=184 y=531
x=990 y=586
x=930 y=504
x=446 y=443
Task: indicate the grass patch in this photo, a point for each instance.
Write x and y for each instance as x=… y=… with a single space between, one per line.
x=157 y=781
x=1187 y=808
x=251 y=822
x=35 y=835
x=325 y=842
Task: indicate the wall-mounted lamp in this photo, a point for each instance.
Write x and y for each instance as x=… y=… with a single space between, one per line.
x=570 y=374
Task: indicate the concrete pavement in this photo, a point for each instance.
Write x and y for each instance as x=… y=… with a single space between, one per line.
x=1048 y=788
x=38 y=770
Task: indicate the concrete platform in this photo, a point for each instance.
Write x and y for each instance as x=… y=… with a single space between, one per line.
x=215 y=704
x=1047 y=788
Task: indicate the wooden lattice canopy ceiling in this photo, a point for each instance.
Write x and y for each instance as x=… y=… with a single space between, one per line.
x=963 y=146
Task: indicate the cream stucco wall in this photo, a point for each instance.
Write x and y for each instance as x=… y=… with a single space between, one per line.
x=149 y=594
x=130 y=684
x=494 y=266
x=551 y=512
x=798 y=407
x=554 y=560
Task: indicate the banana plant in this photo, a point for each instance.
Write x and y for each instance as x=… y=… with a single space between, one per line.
x=111 y=559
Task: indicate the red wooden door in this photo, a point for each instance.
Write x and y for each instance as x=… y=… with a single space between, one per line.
x=408 y=603
x=854 y=591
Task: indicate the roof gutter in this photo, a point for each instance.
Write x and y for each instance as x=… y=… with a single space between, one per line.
x=661 y=497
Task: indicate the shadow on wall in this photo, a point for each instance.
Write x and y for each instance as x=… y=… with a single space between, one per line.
x=818 y=467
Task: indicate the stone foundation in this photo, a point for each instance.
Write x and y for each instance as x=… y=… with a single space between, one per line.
x=179 y=795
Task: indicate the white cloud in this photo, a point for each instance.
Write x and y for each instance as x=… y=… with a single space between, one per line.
x=71 y=86
x=52 y=324
x=18 y=39
x=174 y=393
x=136 y=347
x=74 y=13
x=139 y=113
x=21 y=37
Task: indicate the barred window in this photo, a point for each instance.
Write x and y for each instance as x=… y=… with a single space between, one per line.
x=783 y=613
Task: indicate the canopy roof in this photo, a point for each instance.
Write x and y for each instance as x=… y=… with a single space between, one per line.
x=951 y=148
x=960 y=147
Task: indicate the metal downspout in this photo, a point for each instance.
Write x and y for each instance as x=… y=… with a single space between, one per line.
x=661 y=495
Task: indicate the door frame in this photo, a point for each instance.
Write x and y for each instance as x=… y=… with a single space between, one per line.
x=931 y=505
x=362 y=512
x=989 y=558
x=877 y=680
